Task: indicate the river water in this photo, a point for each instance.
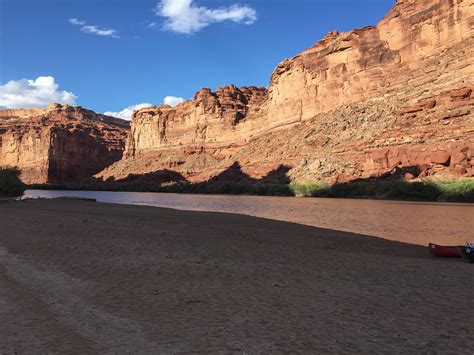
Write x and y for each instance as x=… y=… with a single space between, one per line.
x=410 y=222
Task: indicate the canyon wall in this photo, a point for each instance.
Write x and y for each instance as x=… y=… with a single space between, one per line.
x=208 y=118
x=395 y=98
x=59 y=144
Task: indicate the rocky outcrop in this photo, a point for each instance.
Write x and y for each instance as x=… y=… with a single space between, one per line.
x=59 y=144
x=208 y=118
x=395 y=98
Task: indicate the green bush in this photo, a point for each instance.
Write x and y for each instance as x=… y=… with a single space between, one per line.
x=307 y=190
x=10 y=183
x=452 y=191
x=455 y=191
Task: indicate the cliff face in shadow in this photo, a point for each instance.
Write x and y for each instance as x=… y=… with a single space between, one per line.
x=356 y=105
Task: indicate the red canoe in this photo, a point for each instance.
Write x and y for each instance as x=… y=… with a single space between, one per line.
x=444 y=251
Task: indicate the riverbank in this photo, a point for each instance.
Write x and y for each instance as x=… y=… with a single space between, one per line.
x=428 y=190
x=98 y=277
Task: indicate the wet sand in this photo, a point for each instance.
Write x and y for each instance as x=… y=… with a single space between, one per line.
x=85 y=277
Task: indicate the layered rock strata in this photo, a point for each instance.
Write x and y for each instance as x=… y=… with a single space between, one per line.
x=391 y=99
x=59 y=144
x=396 y=98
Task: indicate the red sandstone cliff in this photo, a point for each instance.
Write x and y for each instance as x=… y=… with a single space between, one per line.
x=59 y=144
x=394 y=98
x=208 y=118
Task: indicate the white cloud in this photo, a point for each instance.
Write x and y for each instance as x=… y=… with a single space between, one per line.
x=172 y=100
x=76 y=22
x=152 y=25
x=27 y=93
x=93 y=29
x=127 y=112
x=100 y=32
x=185 y=17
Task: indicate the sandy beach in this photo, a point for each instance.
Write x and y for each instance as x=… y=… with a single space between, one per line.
x=86 y=277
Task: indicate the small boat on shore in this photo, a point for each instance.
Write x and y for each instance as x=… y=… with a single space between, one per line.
x=445 y=251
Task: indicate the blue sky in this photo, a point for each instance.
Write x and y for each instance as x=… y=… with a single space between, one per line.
x=110 y=54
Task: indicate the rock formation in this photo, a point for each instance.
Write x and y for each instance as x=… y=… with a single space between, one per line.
x=208 y=118
x=391 y=99
x=59 y=144
x=395 y=99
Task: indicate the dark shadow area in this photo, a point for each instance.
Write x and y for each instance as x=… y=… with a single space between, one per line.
x=79 y=154
x=234 y=181
x=10 y=183
x=150 y=182
x=234 y=174
x=161 y=176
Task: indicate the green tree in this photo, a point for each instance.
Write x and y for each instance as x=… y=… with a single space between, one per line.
x=10 y=183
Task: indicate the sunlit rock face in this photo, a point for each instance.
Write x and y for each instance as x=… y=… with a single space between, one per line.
x=392 y=98
x=59 y=144
x=211 y=117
